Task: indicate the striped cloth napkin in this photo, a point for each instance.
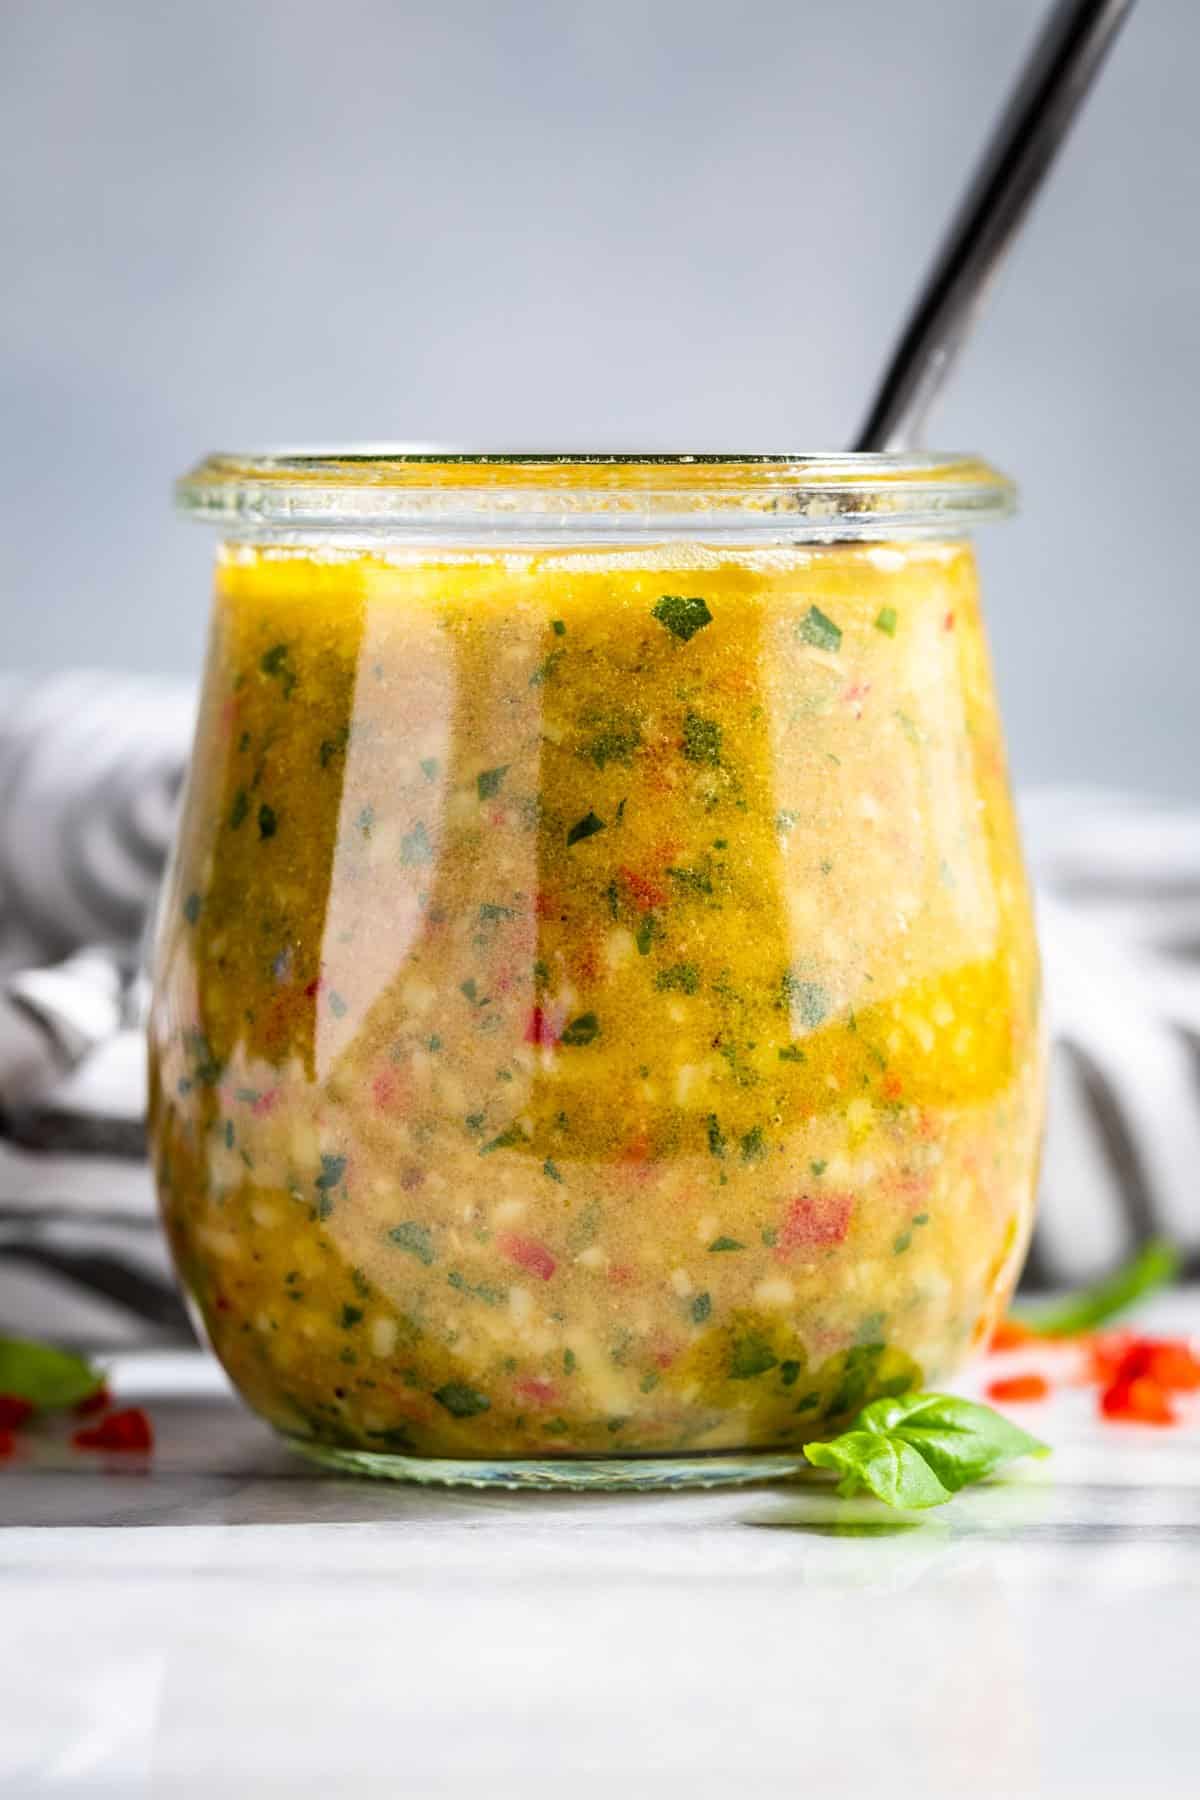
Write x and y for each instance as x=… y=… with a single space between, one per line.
x=90 y=773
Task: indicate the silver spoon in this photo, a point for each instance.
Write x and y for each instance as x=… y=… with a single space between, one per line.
x=1056 y=77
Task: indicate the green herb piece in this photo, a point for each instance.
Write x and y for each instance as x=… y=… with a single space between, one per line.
x=351 y=1316
x=492 y=914
x=45 y=1377
x=462 y=1401
x=415 y=847
x=786 y=821
x=697 y=881
x=568 y=1362
x=716 y=1137
x=414 y=1238
x=806 y=998
x=647 y=932
x=701 y=739
x=507 y=1140
x=1156 y=1265
x=902 y=1242
x=886 y=621
x=701 y=1308
x=430 y=767
x=239 y=809
x=583 y=828
x=682 y=976
x=544 y=670
x=490 y=1296
x=550 y=1168
x=649 y=1381
x=789 y=1373
x=332 y=1170
x=683 y=615
x=558 y=627
x=274 y=662
x=792 y=1053
x=268 y=821
x=917 y=1450
x=769 y=1236
x=615 y=743
x=191 y=908
x=337 y=1005
x=753 y=1145
x=583 y=1030
x=487 y=785
x=751 y=1356
x=725 y=1243
x=818 y=1168
x=817 y=629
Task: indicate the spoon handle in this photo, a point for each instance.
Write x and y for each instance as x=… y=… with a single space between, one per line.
x=1056 y=77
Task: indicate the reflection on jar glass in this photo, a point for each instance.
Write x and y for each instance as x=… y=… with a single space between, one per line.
x=596 y=1024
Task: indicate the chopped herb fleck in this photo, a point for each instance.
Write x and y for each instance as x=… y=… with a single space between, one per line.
x=491 y=1296
x=817 y=629
x=430 y=767
x=684 y=615
x=491 y=914
x=268 y=822
x=351 y=1316
x=818 y=1168
x=332 y=1170
x=753 y=1146
x=568 y=1362
x=806 y=998
x=462 y=1401
x=191 y=908
x=550 y=1168
x=751 y=1356
x=487 y=785
x=886 y=621
x=701 y=739
x=682 y=976
x=725 y=1243
x=337 y=1005
x=414 y=1238
x=583 y=828
x=544 y=670
x=239 y=809
x=274 y=663
x=558 y=628
x=649 y=1381
x=716 y=1139
x=506 y=1140
x=415 y=847
x=792 y=1053
x=647 y=932
x=583 y=1030
x=788 y=1373
x=701 y=1308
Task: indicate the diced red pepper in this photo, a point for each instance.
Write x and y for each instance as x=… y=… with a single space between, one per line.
x=1140 y=1401
x=127 y=1430
x=265 y=1103
x=98 y=1402
x=526 y=1253
x=643 y=889
x=536 y=1388
x=8 y=1442
x=1010 y=1334
x=1018 y=1388
x=542 y=1029
x=815 y=1222
x=14 y=1411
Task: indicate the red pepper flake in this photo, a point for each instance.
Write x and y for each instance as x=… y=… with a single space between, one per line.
x=98 y=1402
x=527 y=1253
x=535 y=1387
x=541 y=1029
x=1140 y=1401
x=8 y=1442
x=313 y=988
x=14 y=1412
x=1018 y=1388
x=265 y=1103
x=619 y=1274
x=644 y=891
x=1010 y=1334
x=127 y=1430
x=948 y=622
x=814 y=1222
x=893 y=1087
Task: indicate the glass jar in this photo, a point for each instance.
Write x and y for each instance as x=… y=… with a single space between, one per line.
x=595 y=1036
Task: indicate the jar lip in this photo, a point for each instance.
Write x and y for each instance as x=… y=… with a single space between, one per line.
x=423 y=489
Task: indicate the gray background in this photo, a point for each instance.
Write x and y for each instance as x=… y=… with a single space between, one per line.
x=661 y=223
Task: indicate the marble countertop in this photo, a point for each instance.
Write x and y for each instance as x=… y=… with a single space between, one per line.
x=226 y=1618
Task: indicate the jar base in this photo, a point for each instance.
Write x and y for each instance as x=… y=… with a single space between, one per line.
x=599 y=1474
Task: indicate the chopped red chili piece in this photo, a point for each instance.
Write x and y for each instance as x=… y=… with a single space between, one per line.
x=1018 y=1387
x=127 y=1430
x=1010 y=1334
x=1141 y=1401
x=8 y=1442
x=14 y=1411
x=527 y=1253
x=98 y=1402
x=815 y=1221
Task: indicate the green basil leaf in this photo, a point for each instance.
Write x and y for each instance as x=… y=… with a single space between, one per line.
x=47 y=1378
x=683 y=615
x=917 y=1450
x=1156 y=1265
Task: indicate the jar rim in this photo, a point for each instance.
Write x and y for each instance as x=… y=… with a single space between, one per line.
x=430 y=491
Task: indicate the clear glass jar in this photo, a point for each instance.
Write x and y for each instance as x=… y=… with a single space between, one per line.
x=595 y=1036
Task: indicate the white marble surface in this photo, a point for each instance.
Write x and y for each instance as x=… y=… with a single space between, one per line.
x=226 y=1620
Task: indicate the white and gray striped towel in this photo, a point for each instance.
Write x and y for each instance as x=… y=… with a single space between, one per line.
x=90 y=771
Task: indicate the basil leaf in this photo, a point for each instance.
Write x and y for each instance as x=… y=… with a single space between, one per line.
x=917 y=1450
x=47 y=1378
x=462 y=1401
x=584 y=828
x=583 y=1030
x=1154 y=1266
x=818 y=629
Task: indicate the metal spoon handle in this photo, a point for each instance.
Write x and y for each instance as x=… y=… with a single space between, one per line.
x=1056 y=77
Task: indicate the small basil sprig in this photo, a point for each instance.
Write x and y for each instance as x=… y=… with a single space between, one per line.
x=1156 y=1265
x=47 y=1378
x=917 y=1450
